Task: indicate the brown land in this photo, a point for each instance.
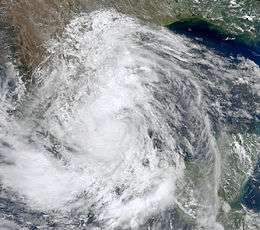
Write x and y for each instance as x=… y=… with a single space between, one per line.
x=35 y=21
x=32 y=22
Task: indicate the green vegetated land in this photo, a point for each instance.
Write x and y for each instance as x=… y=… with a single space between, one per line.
x=35 y=21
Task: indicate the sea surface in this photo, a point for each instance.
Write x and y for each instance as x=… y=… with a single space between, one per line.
x=131 y=125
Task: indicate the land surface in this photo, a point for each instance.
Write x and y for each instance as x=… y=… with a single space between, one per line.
x=33 y=22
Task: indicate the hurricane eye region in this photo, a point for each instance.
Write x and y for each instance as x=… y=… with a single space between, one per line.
x=127 y=125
